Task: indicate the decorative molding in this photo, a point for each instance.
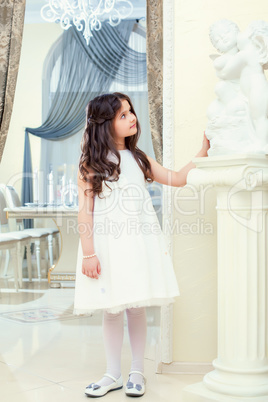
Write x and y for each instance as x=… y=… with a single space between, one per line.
x=187 y=368
x=68 y=276
x=166 y=330
x=243 y=174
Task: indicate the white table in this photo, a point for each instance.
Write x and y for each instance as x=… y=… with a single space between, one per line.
x=65 y=219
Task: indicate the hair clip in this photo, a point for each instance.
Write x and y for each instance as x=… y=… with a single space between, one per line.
x=91 y=120
x=96 y=121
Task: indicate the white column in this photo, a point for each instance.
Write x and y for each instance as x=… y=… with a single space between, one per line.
x=241 y=367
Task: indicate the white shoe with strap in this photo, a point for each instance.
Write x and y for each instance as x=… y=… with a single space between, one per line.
x=135 y=389
x=94 y=390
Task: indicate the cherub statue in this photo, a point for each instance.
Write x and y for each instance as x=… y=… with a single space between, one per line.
x=223 y=35
x=228 y=120
x=245 y=56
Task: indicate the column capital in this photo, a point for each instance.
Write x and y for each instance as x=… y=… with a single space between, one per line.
x=247 y=172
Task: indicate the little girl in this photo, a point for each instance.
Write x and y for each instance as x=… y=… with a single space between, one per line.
x=123 y=261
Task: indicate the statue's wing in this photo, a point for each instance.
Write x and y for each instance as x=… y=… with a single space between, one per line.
x=214 y=56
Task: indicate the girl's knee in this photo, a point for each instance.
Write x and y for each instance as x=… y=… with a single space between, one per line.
x=136 y=311
x=110 y=316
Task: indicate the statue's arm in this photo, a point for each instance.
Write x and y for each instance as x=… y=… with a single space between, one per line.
x=233 y=66
x=219 y=62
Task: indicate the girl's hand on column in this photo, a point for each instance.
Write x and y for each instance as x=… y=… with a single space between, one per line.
x=206 y=144
x=205 y=147
x=91 y=267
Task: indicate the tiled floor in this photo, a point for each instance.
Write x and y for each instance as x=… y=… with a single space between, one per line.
x=54 y=360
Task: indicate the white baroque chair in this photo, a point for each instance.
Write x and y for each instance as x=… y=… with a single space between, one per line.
x=13 y=200
x=11 y=240
x=35 y=236
x=22 y=241
x=9 y=244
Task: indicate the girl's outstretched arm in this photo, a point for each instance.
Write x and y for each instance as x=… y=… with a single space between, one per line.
x=170 y=177
x=90 y=266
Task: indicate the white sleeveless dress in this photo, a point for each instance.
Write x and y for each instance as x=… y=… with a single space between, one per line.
x=136 y=268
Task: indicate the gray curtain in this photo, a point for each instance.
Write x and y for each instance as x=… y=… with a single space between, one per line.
x=11 y=26
x=155 y=73
x=83 y=71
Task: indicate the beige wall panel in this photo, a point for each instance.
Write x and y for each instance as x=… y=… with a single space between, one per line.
x=195 y=329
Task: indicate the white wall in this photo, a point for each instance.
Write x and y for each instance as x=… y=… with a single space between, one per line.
x=195 y=255
x=27 y=110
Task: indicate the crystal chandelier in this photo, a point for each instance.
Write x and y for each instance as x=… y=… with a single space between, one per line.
x=86 y=15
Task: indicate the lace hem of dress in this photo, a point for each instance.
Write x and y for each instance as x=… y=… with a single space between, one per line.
x=122 y=307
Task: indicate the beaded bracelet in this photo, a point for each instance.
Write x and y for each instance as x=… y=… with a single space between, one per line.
x=89 y=256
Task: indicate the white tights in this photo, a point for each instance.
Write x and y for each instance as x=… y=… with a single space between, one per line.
x=113 y=333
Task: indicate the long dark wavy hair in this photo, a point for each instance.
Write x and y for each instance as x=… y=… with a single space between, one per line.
x=97 y=141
